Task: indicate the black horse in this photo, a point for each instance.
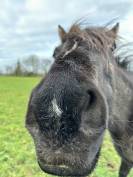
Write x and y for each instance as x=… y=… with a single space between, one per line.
x=84 y=92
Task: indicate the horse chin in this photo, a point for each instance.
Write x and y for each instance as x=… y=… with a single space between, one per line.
x=69 y=170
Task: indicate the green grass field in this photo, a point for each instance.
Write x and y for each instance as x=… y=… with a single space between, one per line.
x=17 y=154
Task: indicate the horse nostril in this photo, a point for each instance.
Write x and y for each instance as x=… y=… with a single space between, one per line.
x=92 y=97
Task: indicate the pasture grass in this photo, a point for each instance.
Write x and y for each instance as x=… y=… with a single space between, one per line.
x=17 y=154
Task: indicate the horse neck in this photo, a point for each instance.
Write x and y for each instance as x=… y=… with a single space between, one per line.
x=122 y=94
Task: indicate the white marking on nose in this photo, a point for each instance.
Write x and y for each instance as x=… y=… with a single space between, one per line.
x=56 y=108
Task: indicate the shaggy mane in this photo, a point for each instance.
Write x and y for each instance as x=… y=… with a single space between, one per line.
x=101 y=38
x=97 y=38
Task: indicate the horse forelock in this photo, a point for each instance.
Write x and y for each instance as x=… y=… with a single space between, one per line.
x=97 y=38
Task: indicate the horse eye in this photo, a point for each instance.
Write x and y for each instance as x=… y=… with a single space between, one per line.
x=92 y=97
x=56 y=52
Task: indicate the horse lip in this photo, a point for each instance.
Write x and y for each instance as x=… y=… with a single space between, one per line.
x=61 y=170
x=55 y=169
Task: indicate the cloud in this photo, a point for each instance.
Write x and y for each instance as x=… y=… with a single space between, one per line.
x=30 y=26
x=126 y=27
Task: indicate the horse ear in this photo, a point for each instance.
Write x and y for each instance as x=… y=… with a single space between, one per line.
x=61 y=32
x=114 y=31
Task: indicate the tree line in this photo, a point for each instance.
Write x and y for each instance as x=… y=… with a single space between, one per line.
x=30 y=66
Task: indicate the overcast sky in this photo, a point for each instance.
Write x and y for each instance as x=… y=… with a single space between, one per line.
x=30 y=26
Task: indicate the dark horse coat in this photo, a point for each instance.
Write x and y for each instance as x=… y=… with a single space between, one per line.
x=84 y=92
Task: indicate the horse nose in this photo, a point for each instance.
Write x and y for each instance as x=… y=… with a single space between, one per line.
x=62 y=128
x=66 y=131
x=59 y=121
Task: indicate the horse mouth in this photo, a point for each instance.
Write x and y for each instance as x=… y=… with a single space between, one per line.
x=68 y=168
x=63 y=170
